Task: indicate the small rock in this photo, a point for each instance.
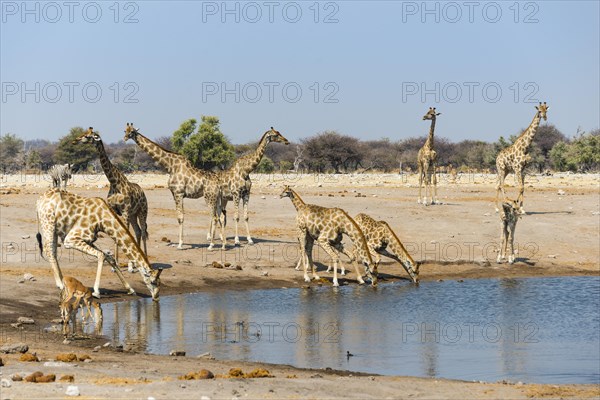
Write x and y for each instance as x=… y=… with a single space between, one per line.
x=177 y=353
x=28 y=277
x=21 y=280
x=106 y=344
x=551 y=255
x=6 y=383
x=72 y=391
x=96 y=349
x=561 y=192
x=67 y=378
x=57 y=364
x=25 y=237
x=17 y=325
x=28 y=357
x=265 y=273
x=204 y=398
x=263 y=197
x=25 y=320
x=14 y=348
x=66 y=357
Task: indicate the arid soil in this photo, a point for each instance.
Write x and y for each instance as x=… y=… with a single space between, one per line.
x=457 y=239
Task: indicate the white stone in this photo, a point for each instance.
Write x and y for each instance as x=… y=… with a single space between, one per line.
x=6 y=383
x=72 y=391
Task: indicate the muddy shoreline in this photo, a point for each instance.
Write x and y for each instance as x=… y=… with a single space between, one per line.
x=558 y=237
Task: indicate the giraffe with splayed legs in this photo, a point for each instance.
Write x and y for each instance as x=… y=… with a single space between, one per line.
x=327 y=226
x=127 y=199
x=236 y=183
x=427 y=161
x=185 y=181
x=77 y=221
x=515 y=158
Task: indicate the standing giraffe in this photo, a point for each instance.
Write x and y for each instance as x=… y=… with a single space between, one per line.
x=427 y=160
x=127 y=199
x=77 y=221
x=514 y=158
x=184 y=180
x=236 y=181
x=509 y=217
x=326 y=226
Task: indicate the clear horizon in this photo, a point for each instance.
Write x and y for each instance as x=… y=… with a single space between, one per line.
x=365 y=69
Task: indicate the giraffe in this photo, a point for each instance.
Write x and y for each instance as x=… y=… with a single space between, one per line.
x=509 y=217
x=380 y=237
x=326 y=226
x=427 y=160
x=237 y=183
x=184 y=181
x=514 y=158
x=77 y=221
x=77 y=291
x=127 y=199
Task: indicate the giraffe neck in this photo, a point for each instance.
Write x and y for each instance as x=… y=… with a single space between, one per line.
x=113 y=227
x=358 y=239
x=254 y=159
x=165 y=158
x=113 y=175
x=527 y=136
x=296 y=200
x=397 y=247
x=429 y=142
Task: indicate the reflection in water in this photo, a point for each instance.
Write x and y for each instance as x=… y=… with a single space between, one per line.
x=535 y=330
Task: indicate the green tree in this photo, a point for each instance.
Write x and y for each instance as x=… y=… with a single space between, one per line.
x=559 y=157
x=207 y=148
x=265 y=166
x=585 y=151
x=78 y=154
x=11 y=152
x=34 y=159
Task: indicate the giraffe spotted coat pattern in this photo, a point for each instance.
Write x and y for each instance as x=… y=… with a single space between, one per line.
x=77 y=221
x=327 y=226
x=127 y=199
x=516 y=157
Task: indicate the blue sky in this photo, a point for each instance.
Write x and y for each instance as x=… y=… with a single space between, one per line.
x=363 y=68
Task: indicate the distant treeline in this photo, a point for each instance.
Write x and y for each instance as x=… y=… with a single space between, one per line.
x=207 y=147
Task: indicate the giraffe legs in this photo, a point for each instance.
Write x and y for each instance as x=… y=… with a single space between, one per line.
x=503 y=243
x=236 y=217
x=434 y=196
x=324 y=243
x=245 y=201
x=500 y=186
x=306 y=244
x=420 y=182
x=49 y=247
x=138 y=238
x=521 y=175
x=78 y=243
x=178 y=197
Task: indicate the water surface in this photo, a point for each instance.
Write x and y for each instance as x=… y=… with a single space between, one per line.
x=544 y=330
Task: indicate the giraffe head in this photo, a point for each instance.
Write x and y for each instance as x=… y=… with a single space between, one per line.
x=287 y=192
x=542 y=109
x=274 y=136
x=130 y=132
x=431 y=114
x=88 y=136
x=510 y=211
x=152 y=280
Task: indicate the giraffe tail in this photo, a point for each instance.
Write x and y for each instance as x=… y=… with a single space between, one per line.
x=38 y=236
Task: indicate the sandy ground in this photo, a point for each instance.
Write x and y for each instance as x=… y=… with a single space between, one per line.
x=455 y=240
